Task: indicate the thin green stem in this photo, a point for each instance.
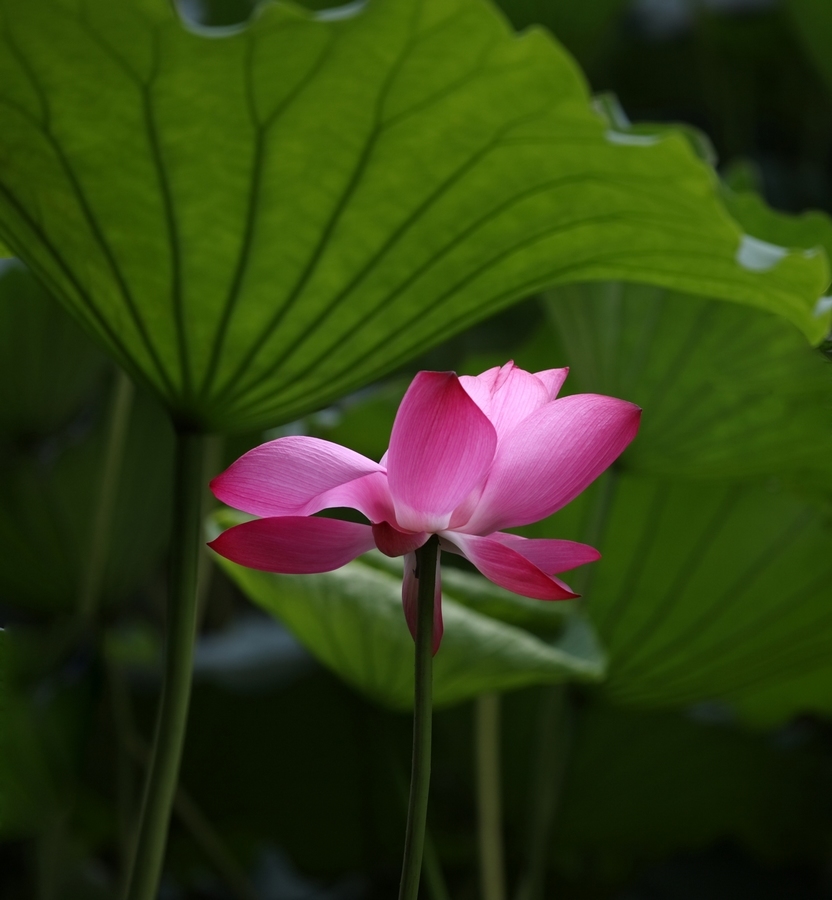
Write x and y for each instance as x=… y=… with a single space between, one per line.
x=417 y=809
x=119 y=420
x=214 y=446
x=435 y=884
x=180 y=635
x=553 y=744
x=489 y=799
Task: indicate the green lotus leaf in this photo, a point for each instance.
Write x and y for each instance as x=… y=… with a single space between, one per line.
x=727 y=392
x=643 y=786
x=254 y=221
x=48 y=366
x=715 y=525
x=47 y=513
x=812 y=21
x=716 y=593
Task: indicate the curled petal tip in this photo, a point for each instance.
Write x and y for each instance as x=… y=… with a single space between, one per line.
x=215 y=485
x=508 y=568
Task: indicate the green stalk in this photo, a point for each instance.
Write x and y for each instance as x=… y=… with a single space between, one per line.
x=180 y=634
x=119 y=420
x=489 y=813
x=553 y=746
x=435 y=884
x=417 y=809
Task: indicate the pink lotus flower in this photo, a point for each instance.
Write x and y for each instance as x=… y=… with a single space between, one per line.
x=468 y=457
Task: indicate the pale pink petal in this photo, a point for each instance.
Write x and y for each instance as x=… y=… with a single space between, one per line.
x=515 y=399
x=441 y=447
x=506 y=567
x=509 y=394
x=393 y=542
x=280 y=478
x=551 y=457
x=550 y=556
x=294 y=545
x=410 y=599
x=516 y=396
x=480 y=388
x=552 y=380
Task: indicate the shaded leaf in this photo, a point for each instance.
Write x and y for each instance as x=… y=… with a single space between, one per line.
x=47 y=506
x=47 y=365
x=29 y=792
x=44 y=736
x=726 y=391
x=716 y=576
x=261 y=220
x=306 y=769
x=6 y=777
x=716 y=592
x=812 y=20
x=352 y=621
x=642 y=786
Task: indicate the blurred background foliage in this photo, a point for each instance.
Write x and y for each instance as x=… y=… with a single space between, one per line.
x=682 y=709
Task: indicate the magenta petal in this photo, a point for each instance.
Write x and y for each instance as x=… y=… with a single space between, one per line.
x=509 y=569
x=282 y=477
x=441 y=448
x=294 y=545
x=410 y=599
x=552 y=380
x=550 y=556
x=551 y=457
x=393 y=542
x=369 y=494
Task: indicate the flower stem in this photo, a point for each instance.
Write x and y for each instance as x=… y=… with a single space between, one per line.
x=180 y=633
x=492 y=869
x=414 y=841
x=121 y=406
x=553 y=745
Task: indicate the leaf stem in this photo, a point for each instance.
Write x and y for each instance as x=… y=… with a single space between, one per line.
x=489 y=818
x=120 y=408
x=553 y=745
x=414 y=842
x=180 y=634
